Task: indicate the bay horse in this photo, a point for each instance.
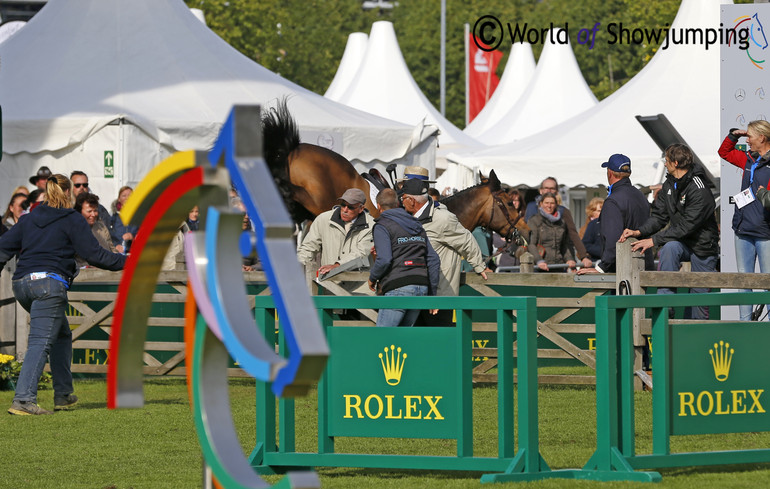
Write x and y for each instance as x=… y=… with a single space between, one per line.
x=488 y=205
x=311 y=178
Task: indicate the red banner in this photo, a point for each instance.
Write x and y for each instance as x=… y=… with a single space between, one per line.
x=482 y=79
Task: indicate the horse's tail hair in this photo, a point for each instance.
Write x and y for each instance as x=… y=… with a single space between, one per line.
x=280 y=137
x=280 y=134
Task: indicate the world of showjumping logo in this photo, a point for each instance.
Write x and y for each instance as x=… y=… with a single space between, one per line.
x=489 y=33
x=757 y=36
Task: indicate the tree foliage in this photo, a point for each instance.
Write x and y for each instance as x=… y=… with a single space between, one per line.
x=303 y=41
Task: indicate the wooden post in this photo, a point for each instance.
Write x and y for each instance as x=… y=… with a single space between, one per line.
x=628 y=266
x=527 y=263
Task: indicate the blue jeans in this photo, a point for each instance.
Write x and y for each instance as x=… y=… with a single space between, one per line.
x=49 y=334
x=401 y=317
x=747 y=250
x=671 y=256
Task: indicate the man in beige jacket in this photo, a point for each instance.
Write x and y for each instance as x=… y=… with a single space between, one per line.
x=341 y=234
x=448 y=237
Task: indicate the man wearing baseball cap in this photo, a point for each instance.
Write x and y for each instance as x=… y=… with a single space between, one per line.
x=448 y=237
x=625 y=207
x=341 y=234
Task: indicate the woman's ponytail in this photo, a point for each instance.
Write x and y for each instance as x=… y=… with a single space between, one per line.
x=56 y=192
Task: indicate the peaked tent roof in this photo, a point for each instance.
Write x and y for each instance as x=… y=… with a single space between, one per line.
x=384 y=86
x=78 y=65
x=556 y=92
x=574 y=150
x=349 y=65
x=516 y=77
x=8 y=29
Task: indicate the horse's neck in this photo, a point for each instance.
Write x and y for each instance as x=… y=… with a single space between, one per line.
x=468 y=209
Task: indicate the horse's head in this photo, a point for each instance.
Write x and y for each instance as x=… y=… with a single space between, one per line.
x=503 y=216
x=758 y=32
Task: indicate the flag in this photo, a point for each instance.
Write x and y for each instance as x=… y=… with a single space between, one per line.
x=482 y=79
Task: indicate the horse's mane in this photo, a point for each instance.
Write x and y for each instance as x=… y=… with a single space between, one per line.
x=449 y=199
x=280 y=137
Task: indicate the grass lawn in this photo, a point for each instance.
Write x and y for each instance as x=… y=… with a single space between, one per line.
x=156 y=446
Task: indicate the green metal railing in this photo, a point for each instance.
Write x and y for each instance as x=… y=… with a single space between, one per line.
x=524 y=463
x=680 y=360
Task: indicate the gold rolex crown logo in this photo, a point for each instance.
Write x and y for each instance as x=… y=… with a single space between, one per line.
x=393 y=364
x=721 y=357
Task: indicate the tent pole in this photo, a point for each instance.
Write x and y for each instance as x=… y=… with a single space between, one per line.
x=467 y=73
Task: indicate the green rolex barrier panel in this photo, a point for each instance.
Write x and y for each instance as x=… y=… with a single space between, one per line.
x=386 y=382
x=410 y=383
x=709 y=378
x=720 y=378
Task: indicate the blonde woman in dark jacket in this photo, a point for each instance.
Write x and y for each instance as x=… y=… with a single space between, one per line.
x=46 y=241
x=549 y=238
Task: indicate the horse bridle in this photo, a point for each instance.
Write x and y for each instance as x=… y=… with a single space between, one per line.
x=513 y=233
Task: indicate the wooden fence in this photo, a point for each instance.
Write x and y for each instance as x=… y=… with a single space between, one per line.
x=93 y=296
x=92 y=300
x=629 y=279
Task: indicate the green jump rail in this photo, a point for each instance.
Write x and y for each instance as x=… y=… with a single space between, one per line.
x=523 y=464
x=615 y=457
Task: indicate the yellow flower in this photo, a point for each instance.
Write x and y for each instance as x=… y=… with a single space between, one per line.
x=6 y=358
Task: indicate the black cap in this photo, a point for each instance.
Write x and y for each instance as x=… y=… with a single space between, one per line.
x=414 y=186
x=42 y=172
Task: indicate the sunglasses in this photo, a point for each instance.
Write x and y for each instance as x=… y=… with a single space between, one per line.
x=78 y=185
x=349 y=206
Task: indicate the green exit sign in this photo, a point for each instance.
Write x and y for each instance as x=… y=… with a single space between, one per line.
x=109 y=164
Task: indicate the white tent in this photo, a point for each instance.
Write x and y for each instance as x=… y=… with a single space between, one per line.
x=556 y=92
x=91 y=83
x=681 y=82
x=385 y=87
x=516 y=77
x=349 y=65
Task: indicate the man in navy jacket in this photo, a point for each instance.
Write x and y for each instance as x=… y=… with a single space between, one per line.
x=625 y=207
x=406 y=263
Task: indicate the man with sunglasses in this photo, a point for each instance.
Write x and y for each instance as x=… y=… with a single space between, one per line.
x=341 y=234
x=80 y=185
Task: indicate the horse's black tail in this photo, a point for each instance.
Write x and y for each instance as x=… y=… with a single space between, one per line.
x=280 y=138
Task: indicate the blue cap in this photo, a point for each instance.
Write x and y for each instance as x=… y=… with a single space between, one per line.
x=618 y=162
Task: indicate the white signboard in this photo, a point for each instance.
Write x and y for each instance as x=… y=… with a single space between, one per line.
x=744 y=81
